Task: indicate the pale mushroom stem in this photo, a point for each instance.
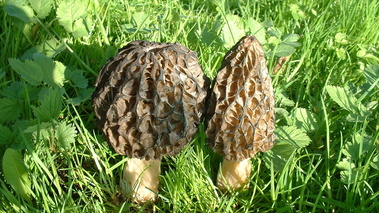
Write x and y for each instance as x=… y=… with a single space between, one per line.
x=233 y=174
x=141 y=179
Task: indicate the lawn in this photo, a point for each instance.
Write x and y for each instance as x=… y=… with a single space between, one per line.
x=323 y=57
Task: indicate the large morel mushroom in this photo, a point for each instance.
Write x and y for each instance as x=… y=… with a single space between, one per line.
x=149 y=100
x=240 y=116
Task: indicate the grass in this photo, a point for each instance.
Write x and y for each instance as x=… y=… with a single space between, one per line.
x=326 y=157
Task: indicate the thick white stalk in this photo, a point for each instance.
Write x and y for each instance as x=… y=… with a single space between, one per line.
x=233 y=174
x=141 y=179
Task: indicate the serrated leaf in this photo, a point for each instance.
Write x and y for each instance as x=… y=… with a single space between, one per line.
x=304 y=119
x=283 y=100
x=50 y=107
x=29 y=71
x=291 y=39
x=371 y=74
x=293 y=136
x=256 y=29
x=65 y=134
x=41 y=7
x=10 y=110
x=81 y=27
x=141 y=19
x=350 y=176
x=346 y=100
x=77 y=78
x=13 y=90
x=232 y=30
x=7 y=136
x=288 y=45
x=279 y=154
x=361 y=144
x=281 y=111
x=17 y=90
x=70 y=11
x=284 y=50
x=16 y=173
x=84 y=94
x=345 y=164
x=20 y=10
x=50 y=48
x=53 y=71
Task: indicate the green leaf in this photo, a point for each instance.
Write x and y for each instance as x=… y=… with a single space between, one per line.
x=206 y=36
x=256 y=29
x=361 y=144
x=371 y=74
x=17 y=90
x=53 y=71
x=279 y=154
x=20 y=10
x=16 y=173
x=43 y=130
x=141 y=19
x=232 y=30
x=65 y=134
x=288 y=140
x=283 y=100
x=10 y=110
x=345 y=99
x=41 y=7
x=70 y=11
x=345 y=164
x=341 y=38
x=297 y=12
x=84 y=94
x=7 y=136
x=341 y=53
x=50 y=107
x=288 y=45
x=77 y=78
x=375 y=162
x=29 y=71
x=291 y=39
x=14 y=90
x=81 y=27
x=50 y=48
x=284 y=50
x=350 y=176
x=293 y=136
x=304 y=119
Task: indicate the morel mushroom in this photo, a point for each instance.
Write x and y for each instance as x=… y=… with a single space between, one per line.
x=241 y=117
x=149 y=100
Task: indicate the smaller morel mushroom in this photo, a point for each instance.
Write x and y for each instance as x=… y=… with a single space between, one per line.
x=240 y=117
x=149 y=100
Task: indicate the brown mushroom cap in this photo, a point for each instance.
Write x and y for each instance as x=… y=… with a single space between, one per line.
x=241 y=117
x=149 y=99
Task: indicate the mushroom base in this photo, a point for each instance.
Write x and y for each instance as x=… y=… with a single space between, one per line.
x=233 y=174
x=141 y=179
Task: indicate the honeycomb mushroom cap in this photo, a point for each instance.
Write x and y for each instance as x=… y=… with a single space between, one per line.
x=149 y=99
x=240 y=116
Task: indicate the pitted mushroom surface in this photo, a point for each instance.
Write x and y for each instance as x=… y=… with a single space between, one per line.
x=149 y=100
x=241 y=116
